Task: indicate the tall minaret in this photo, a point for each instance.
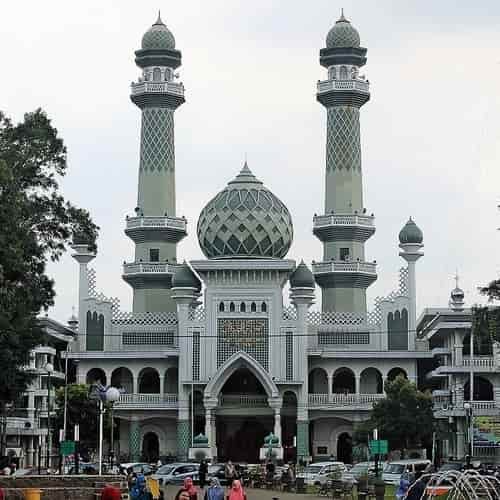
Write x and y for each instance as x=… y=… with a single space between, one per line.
x=344 y=274
x=155 y=229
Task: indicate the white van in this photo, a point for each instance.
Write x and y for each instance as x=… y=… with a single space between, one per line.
x=394 y=470
x=318 y=473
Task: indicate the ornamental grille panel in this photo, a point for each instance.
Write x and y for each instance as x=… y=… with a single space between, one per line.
x=157 y=140
x=343 y=338
x=146 y=318
x=289 y=314
x=148 y=338
x=196 y=355
x=289 y=355
x=248 y=335
x=335 y=318
x=343 y=147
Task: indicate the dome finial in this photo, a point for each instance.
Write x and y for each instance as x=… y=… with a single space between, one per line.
x=342 y=17
x=159 y=21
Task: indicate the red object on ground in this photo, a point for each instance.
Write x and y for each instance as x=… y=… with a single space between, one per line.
x=108 y=493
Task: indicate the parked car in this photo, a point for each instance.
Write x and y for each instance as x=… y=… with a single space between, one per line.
x=217 y=471
x=320 y=472
x=362 y=469
x=176 y=473
x=413 y=468
x=137 y=467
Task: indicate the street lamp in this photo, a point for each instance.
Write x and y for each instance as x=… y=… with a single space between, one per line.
x=112 y=396
x=49 y=368
x=470 y=431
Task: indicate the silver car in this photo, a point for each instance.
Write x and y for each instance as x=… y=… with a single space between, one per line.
x=176 y=473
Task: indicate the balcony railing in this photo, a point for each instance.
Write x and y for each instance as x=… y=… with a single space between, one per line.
x=158 y=88
x=329 y=85
x=344 y=267
x=156 y=222
x=485 y=362
x=320 y=221
x=245 y=400
x=165 y=401
x=344 y=400
x=152 y=268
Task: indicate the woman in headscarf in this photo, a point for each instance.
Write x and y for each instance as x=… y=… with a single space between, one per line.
x=236 y=492
x=214 y=491
x=139 y=491
x=189 y=488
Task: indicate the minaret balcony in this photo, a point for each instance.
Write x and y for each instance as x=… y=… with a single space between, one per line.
x=169 y=94
x=149 y=274
x=345 y=274
x=148 y=228
x=343 y=227
x=343 y=92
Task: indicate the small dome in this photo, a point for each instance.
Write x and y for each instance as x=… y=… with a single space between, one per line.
x=457 y=293
x=343 y=34
x=245 y=220
x=302 y=277
x=158 y=37
x=410 y=233
x=185 y=278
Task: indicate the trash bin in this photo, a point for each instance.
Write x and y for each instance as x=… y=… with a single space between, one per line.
x=32 y=494
x=300 y=485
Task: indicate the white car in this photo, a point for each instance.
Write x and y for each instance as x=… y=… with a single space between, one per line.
x=320 y=472
x=394 y=470
x=176 y=473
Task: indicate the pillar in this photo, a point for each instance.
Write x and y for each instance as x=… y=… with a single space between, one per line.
x=302 y=440
x=183 y=439
x=277 y=424
x=134 y=440
x=29 y=452
x=357 y=383
x=208 y=426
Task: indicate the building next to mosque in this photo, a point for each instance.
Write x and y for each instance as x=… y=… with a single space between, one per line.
x=210 y=347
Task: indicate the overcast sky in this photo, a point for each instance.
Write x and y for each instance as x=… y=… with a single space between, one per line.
x=430 y=136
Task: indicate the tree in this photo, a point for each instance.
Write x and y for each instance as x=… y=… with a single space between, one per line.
x=491 y=290
x=37 y=224
x=404 y=417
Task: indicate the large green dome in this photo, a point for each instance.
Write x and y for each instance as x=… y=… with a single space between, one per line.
x=343 y=34
x=411 y=233
x=158 y=37
x=245 y=220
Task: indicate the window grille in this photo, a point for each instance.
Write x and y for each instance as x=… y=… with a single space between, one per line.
x=196 y=355
x=289 y=355
x=343 y=338
x=148 y=338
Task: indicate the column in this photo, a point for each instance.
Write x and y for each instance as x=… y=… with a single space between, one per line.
x=461 y=446
x=357 y=383
x=162 y=384
x=412 y=313
x=302 y=440
x=29 y=453
x=134 y=440
x=209 y=425
x=330 y=385
x=277 y=424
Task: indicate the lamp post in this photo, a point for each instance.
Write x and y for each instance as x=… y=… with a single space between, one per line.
x=49 y=368
x=112 y=396
x=470 y=432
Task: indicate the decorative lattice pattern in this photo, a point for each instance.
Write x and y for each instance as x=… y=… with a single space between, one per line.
x=289 y=314
x=183 y=439
x=289 y=355
x=343 y=34
x=245 y=221
x=196 y=355
x=343 y=338
x=92 y=281
x=134 y=441
x=158 y=37
x=148 y=338
x=403 y=281
x=157 y=140
x=92 y=291
x=343 y=147
x=197 y=314
x=302 y=439
x=248 y=335
x=146 y=318
x=336 y=318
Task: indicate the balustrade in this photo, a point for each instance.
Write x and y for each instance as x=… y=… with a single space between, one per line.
x=147 y=400
x=329 y=85
x=344 y=267
x=161 y=222
x=341 y=400
x=343 y=220
x=484 y=362
x=249 y=400
x=163 y=87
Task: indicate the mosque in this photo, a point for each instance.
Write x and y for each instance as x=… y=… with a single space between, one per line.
x=210 y=354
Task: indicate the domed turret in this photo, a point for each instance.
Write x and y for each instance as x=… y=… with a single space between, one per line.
x=457 y=297
x=158 y=37
x=185 y=278
x=302 y=277
x=411 y=233
x=245 y=220
x=343 y=34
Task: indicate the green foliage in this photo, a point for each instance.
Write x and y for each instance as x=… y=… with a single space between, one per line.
x=37 y=224
x=404 y=417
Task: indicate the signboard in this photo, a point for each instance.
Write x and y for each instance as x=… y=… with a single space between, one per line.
x=487 y=431
x=379 y=447
x=67 y=448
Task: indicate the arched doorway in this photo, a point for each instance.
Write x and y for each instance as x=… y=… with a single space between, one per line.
x=344 y=381
x=96 y=375
x=243 y=418
x=150 y=447
x=483 y=390
x=344 y=448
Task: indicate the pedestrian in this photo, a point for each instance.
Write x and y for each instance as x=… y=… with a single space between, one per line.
x=236 y=492
x=139 y=490
x=189 y=488
x=214 y=491
x=229 y=472
x=402 y=488
x=416 y=490
x=110 y=493
x=202 y=473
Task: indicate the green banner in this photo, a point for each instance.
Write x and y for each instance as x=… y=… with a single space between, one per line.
x=379 y=447
x=67 y=448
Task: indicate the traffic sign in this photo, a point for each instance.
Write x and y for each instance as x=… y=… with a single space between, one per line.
x=67 y=448
x=379 y=447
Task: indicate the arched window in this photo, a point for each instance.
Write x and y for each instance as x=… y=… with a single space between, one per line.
x=343 y=73
x=231 y=307
x=243 y=307
x=156 y=75
x=332 y=73
x=168 y=75
x=354 y=72
x=221 y=307
x=263 y=307
x=253 y=307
